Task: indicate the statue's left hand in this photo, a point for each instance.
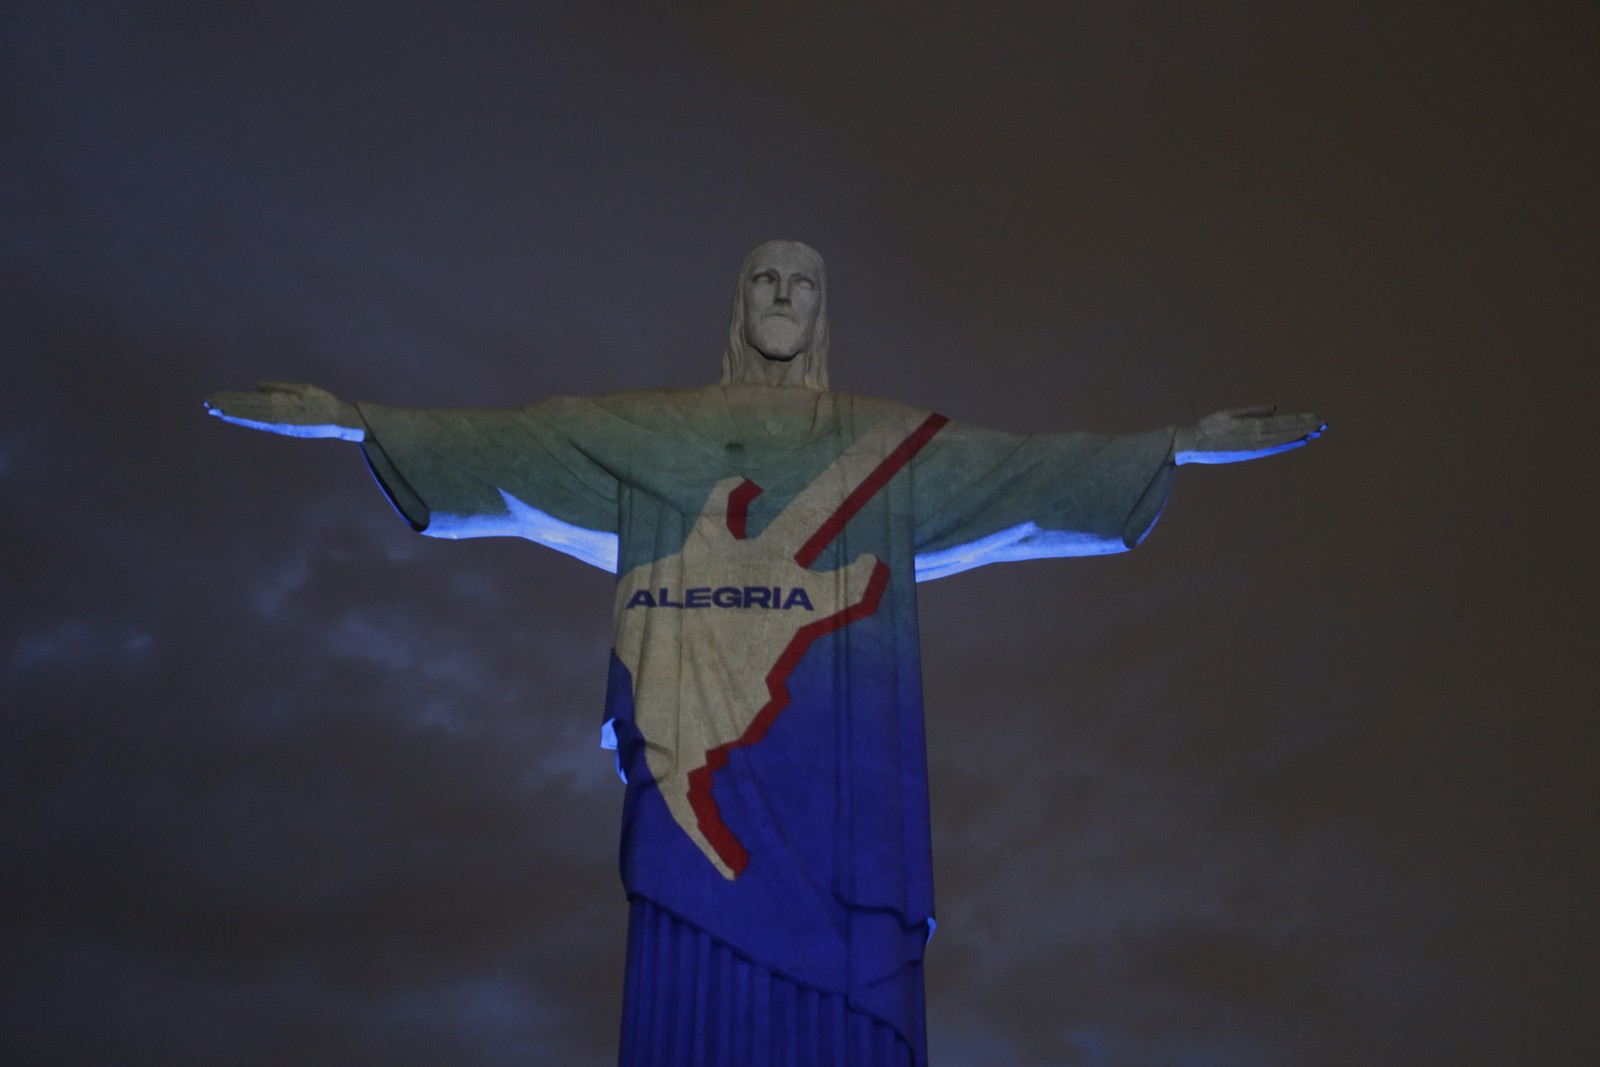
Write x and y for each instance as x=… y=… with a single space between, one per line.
x=1239 y=434
x=293 y=409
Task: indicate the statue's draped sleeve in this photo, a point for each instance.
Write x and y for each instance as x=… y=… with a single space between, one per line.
x=479 y=472
x=984 y=496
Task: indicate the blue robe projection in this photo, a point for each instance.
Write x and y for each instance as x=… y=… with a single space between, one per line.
x=765 y=695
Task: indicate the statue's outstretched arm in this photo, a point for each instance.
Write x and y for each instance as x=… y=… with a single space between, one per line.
x=1244 y=433
x=293 y=409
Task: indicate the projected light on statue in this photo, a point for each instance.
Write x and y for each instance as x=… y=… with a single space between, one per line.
x=765 y=692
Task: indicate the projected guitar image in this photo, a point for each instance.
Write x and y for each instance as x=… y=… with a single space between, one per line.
x=713 y=631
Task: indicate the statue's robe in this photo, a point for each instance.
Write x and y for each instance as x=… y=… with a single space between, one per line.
x=775 y=839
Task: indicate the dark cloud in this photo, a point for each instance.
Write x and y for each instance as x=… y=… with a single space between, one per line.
x=1303 y=781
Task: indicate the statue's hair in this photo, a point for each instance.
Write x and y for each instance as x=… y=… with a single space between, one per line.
x=738 y=357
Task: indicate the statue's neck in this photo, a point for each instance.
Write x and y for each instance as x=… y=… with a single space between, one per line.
x=765 y=370
x=763 y=412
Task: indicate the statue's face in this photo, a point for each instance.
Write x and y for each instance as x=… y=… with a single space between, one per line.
x=782 y=295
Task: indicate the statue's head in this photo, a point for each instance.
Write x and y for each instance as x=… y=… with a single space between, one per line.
x=779 y=331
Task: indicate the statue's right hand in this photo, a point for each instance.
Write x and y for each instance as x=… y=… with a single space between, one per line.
x=294 y=409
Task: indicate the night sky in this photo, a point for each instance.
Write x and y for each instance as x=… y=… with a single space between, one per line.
x=1309 y=780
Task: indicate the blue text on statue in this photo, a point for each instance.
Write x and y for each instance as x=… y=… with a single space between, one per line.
x=771 y=597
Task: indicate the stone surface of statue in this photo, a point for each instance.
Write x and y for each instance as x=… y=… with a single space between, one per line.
x=765 y=696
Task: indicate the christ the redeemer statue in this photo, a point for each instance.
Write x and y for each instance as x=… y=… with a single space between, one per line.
x=765 y=697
